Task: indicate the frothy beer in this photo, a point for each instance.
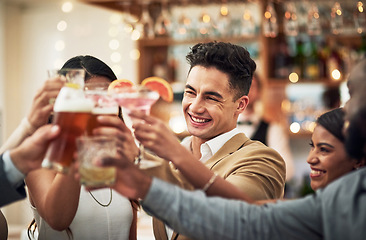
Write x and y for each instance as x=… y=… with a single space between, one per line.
x=72 y=115
x=97 y=111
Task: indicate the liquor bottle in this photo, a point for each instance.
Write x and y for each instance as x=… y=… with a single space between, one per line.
x=335 y=64
x=323 y=54
x=282 y=62
x=300 y=59
x=312 y=63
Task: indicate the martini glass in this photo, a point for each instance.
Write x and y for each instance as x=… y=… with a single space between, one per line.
x=141 y=99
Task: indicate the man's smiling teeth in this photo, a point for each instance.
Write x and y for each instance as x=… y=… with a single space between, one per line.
x=199 y=120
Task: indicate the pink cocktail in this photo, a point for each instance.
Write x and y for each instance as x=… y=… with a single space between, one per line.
x=137 y=99
x=138 y=102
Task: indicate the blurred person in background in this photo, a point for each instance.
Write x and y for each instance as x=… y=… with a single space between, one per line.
x=331 y=97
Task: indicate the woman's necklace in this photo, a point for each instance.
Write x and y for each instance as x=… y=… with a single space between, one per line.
x=101 y=204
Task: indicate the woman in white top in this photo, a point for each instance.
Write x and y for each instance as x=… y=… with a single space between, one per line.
x=62 y=208
x=109 y=219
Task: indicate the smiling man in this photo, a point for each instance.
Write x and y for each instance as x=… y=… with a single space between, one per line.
x=217 y=158
x=216 y=93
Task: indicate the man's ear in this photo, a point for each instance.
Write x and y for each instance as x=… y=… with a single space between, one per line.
x=242 y=103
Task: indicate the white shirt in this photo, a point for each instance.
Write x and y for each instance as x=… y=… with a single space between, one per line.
x=209 y=148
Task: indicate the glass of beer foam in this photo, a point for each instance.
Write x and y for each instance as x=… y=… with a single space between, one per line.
x=103 y=103
x=72 y=111
x=89 y=150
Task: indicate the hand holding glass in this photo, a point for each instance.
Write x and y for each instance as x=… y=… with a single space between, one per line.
x=90 y=149
x=141 y=99
x=71 y=112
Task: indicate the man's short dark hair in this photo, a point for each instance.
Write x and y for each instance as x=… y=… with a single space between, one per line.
x=233 y=60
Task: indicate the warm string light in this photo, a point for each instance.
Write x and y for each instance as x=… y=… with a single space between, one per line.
x=291 y=25
x=313 y=23
x=184 y=22
x=270 y=25
x=336 y=21
x=206 y=18
x=224 y=20
x=163 y=22
x=204 y=23
x=248 y=24
x=145 y=25
x=360 y=18
x=360 y=7
x=224 y=10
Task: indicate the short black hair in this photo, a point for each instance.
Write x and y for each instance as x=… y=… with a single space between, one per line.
x=233 y=60
x=92 y=66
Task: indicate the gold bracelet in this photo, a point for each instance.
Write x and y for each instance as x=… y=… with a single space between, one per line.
x=210 y=182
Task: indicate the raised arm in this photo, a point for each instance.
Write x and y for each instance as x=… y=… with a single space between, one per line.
x=41 y=109
x=165 y=144
x=55 y=196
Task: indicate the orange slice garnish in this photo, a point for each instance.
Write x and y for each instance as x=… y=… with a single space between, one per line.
x=120 y=85
x=159 y=85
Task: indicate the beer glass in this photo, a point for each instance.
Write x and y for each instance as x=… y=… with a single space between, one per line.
x=89 y=150
x=72 y=111
x=103 y=103
x=71 y=75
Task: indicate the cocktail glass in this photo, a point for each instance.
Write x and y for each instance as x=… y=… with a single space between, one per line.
x=141 y=99
x=104 y=104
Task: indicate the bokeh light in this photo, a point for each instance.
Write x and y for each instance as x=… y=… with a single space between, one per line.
x=67 y=7
x=61 y=25
x=295 y=127
x=59 y=45
x=135 y=54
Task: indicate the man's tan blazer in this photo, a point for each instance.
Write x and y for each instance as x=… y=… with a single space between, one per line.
x=254 y=168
